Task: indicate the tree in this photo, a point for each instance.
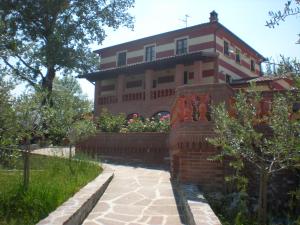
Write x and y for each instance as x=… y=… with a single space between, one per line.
x=291 y=8
x=9 y=129
x=286 y=65
x=31 y=117
x=269 y=142
x=69 y=105
x=46 y=37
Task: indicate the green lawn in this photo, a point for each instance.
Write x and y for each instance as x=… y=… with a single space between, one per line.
x=52 y=181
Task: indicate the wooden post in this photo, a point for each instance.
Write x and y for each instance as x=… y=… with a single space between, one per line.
x=26 y=169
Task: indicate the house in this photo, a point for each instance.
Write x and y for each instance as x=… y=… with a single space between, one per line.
x=182 y=72
x=141 y=76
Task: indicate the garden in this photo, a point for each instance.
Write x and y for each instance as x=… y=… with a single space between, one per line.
x=52 y=181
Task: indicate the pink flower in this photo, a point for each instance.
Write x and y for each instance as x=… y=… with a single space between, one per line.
x=135 y=115
x=130 y=121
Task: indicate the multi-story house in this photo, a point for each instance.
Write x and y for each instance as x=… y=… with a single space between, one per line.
x=141 y=76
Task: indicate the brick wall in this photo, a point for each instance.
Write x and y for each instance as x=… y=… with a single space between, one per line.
x=149 y=148
x=189 y=148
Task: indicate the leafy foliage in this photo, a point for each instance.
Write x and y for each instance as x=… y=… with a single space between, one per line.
x=69 y=109
x=136 y=124
x=117 y=123
x=291 y=8
x=46 y=37
x=285 y=65
x=270 y=143
x=109 y=122
x=9 y=128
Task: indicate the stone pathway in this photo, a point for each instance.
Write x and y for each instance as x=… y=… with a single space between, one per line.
x=136 y=196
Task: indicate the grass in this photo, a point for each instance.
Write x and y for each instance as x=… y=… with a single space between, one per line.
x=52 y=181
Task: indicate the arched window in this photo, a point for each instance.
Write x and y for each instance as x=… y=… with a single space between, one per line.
x=161 y=114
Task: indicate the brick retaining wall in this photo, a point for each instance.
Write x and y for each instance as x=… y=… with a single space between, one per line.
x=149 y=148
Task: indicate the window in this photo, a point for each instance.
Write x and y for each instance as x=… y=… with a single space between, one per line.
x=238 y=56
x=188 y=77
x=185 y=77
x=150 y=53
x=226 y=48
x=165 y=79
x=228 y=79
x=181 y=46
x=154 y=84
x=252 y=65
x=122 y=59
x=134 y=84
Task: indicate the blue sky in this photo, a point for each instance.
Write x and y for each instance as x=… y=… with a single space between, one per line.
x=245 y=18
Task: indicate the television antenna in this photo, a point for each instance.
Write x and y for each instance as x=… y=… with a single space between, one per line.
x=185 y=20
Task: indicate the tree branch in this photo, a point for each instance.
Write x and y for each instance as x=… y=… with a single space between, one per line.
x=30 y=67
x=19 y=74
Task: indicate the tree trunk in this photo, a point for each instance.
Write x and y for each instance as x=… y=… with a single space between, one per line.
x=26 y=169
x=263 y=191
x=47 y=83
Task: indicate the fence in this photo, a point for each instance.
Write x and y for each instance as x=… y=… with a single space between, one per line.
x=149 y=148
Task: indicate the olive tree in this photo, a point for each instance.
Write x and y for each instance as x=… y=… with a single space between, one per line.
x=270 y=143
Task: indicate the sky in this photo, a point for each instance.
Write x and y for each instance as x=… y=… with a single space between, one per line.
x=245 y=18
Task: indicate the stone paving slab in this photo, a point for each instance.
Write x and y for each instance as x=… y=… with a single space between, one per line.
x=136 y=196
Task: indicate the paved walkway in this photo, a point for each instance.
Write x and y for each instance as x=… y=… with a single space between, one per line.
x=136 y=196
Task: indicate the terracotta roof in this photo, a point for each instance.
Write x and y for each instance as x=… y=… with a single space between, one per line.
x=265 y=78
x=142 y=66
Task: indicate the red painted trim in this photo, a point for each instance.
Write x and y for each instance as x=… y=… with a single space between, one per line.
x=233 y=69
x=160 y=39
x=108 y=65
x=202 y=46
x=208 y=73
x=289 y=81
x=220 y=48
x=232 y=56
x=277 y=86
x=245 y=64
x=221 y=33
x=135 y=60
x=164 y=54
x=221 y=76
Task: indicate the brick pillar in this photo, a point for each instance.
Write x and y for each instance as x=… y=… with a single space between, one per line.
x=198 y=75
x=148 y=84
x=120 y=86
x=96 y=97
x=179 y=74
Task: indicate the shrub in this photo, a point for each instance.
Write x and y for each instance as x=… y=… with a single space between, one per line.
x=111 y=123
x=136 y=124
x=118 y=123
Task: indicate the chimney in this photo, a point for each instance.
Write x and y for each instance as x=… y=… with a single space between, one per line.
x=213 y=17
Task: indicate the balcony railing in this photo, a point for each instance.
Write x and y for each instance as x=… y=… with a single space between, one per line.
x=155 y=94
x=106 y=100
x=138 y=96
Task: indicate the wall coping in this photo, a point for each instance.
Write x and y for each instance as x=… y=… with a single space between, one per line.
x=76 y=208
x=196 y=208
